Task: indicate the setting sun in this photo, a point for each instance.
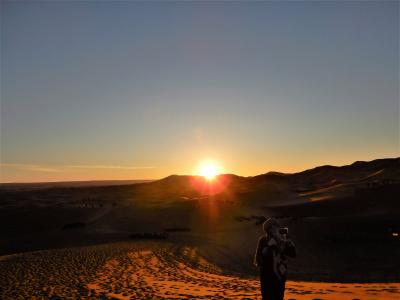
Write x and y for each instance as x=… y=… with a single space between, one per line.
x=209 y=170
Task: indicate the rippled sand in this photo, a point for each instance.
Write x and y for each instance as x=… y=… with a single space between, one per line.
x=147 y=270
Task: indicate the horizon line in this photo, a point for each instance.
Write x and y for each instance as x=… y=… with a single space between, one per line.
x=110 y=180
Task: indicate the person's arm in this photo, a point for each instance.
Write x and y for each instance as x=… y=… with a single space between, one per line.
x=275 y=258
x=257 y=256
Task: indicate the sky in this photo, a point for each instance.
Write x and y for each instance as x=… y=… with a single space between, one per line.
x=94 y=90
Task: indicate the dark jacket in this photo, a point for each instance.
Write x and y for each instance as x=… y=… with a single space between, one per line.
x=271 y=255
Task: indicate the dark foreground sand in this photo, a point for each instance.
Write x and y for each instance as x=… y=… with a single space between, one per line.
x=149 y=270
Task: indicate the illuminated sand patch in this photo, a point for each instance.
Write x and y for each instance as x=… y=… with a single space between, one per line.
x=149 y=270
x=164 y=274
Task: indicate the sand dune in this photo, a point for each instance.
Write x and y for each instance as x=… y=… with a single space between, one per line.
x=149 y=270
x=347 y=237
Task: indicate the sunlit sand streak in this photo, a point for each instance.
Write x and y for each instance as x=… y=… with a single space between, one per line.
x=149 y=270
x=160 y=274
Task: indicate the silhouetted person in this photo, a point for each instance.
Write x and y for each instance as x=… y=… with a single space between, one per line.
x=270 y=258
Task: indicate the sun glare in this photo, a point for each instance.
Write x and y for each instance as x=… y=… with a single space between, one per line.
x=209 y=170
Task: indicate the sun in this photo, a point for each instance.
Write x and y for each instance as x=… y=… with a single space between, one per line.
x=209 y=170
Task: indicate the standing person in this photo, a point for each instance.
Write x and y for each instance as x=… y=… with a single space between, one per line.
x=270 y=258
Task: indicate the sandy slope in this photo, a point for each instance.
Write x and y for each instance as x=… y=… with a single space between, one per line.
x=147 y=270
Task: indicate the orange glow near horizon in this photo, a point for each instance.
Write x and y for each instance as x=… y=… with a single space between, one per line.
x=209 y=170
x=208 y=180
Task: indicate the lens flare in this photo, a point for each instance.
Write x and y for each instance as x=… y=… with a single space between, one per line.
x=210 y=180
x=209 y=170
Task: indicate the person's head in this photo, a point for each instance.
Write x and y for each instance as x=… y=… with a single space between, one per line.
x=271 y=226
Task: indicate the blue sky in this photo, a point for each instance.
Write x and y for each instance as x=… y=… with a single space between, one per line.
x=120 y=90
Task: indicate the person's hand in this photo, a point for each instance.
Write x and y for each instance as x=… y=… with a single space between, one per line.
x=255 y=263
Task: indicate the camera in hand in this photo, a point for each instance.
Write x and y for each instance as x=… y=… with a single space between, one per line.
x=283 y=230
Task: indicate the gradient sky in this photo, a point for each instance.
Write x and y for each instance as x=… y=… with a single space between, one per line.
x=137 y=90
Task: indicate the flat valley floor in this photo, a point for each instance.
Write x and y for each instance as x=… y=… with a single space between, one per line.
x=150 y=270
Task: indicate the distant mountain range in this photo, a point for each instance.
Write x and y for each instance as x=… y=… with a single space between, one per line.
x=320 y=183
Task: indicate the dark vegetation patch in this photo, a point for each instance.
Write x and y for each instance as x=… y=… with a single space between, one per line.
x=75 y=225
x=177 y=229
x=149 y=235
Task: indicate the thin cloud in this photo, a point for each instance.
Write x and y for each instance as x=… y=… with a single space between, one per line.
x=30 y=167
x=43 y=168
x=110 y=167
